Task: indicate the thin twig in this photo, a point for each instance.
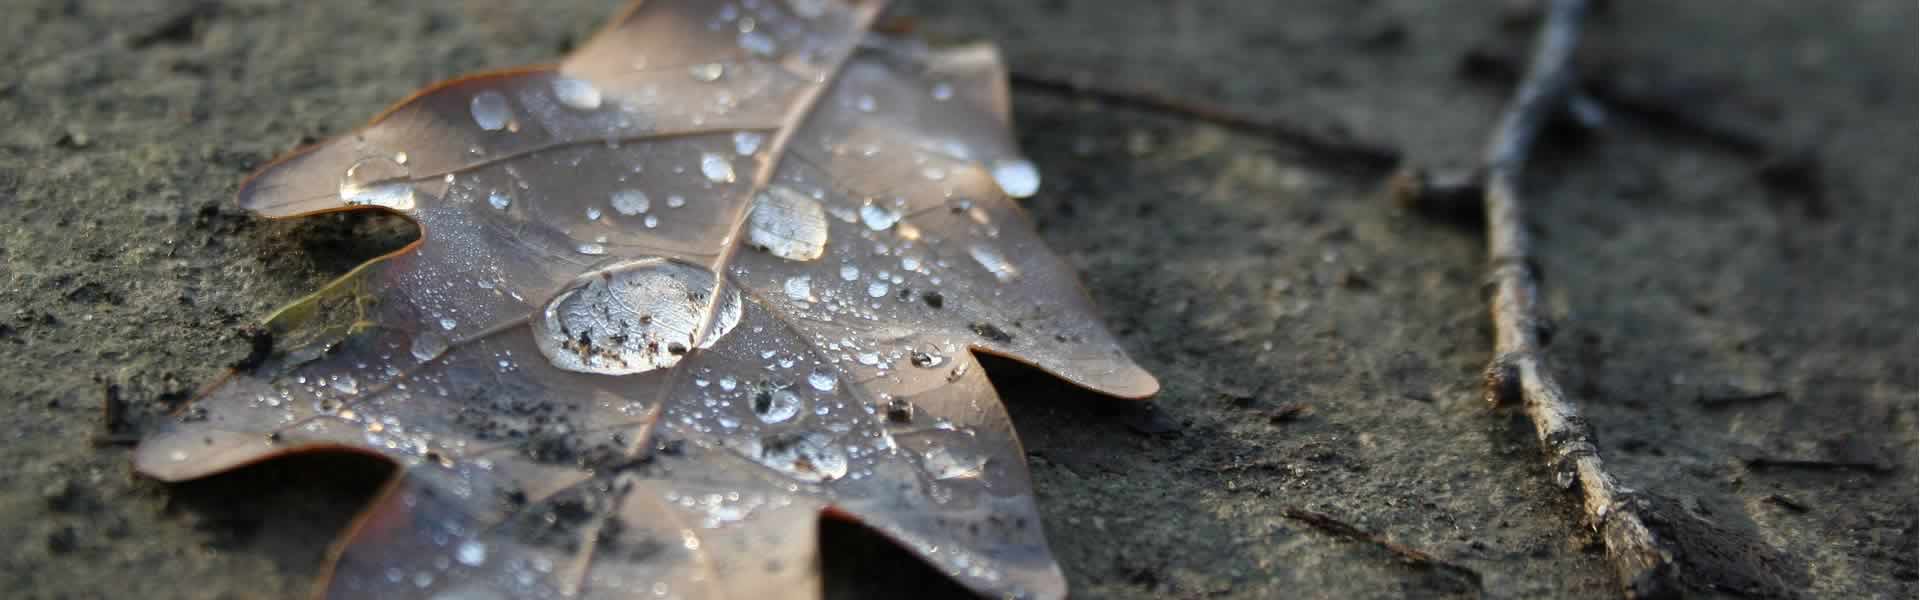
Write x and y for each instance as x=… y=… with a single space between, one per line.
x=1518 y=373
x=1347 y=154
x=1326 y=523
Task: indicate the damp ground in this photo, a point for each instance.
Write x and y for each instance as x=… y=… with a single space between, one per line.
x=1737 y=326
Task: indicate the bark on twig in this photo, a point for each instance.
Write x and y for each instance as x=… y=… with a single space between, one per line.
x=1518 y=373
x=1342 y=153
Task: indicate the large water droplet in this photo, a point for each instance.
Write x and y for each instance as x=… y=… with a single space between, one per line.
x=716 y=167
x=809 y=457
x=877 y=289
x=631 y=202
x=377 y=181
x=788 y=224
x=576 y=93
x=499 y=200
x=877 y=217
x=990 y=259
x=822 y=378
x=428 y=345
x=1017 y=178
x=634 y=317
x=776 y=405
x=490 y=110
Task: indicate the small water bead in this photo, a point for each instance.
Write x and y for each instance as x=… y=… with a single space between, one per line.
x=593 y=213
x=651 y=221
x=708 y=72
x=745 y=143
x=449 y=324
x=400 y=157
x=799 y=288
x=576 y=93
x=809 y=457
x=499 y=201
x=1018 y=178
x=849 y=272
x=631 y=202
x=590 y=249
x=990 y=259
x=676 y=201
x=728 y=383
x=822 y=378
x=490 y=110
x=787 y=224
x=346 y=384
x=909 y=264
x=942 y=90
x=877 y=217
x=378 y=182
x=877 y=289
x=716 y=167
x=471 y=553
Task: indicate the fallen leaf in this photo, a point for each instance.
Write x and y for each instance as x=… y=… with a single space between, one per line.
x=720 y=272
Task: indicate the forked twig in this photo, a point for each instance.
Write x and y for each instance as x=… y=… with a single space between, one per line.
x=1518 y=373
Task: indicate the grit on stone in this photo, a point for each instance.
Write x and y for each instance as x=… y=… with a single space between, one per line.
x=1741 y=336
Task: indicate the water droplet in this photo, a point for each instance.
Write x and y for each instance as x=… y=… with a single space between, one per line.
x=1017 y=178
x=877 y=217
x=707 y=72
x=868 y=358
x=346 y=385
x=676 y=201
x=634 y=317
x=787 y=224
x=716 y=167
x=631 y=202
x=909 y=264
x=822 y=378
x=593 y=213
x=428 y=345
x=849 y=272
x=651 y=221
x=400 y=157
x=800 y=288
x=809 y=457
x=449 y=324
x=990 y=259
x=944 y=463
x=925 y=360
x=499 y=200
x=727 y=383
x=877 y=289
x=576 y=93
x=942 y=90
x=590 y=249
x=490 y=110
x=746 y=142
x=471 y=553
x=776 y=405
x=757 y=43
x=377 y=182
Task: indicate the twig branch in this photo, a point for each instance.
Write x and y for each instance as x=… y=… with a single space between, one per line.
x=1332 y=526
x=1347 y=154
x=1518 y=373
